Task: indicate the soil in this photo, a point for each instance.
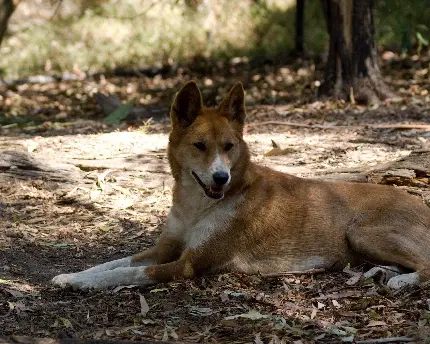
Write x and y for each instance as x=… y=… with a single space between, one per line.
x=75 y=192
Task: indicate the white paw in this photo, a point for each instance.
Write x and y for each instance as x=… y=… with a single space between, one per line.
x=75 y=280
x=103 y=279
x=401 y=281
x=382 y=274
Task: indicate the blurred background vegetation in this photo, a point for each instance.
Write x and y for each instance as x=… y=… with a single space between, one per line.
x=47 y=36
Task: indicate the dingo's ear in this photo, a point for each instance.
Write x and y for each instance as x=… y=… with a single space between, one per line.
x=233 y=105
x=187 y=105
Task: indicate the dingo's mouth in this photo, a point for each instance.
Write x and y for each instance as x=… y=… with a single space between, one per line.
x=216 y=192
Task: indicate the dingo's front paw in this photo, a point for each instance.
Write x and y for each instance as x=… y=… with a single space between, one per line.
x=104 y=279
x=74 y=280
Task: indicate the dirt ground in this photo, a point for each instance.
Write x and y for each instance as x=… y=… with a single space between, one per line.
x=75 y=192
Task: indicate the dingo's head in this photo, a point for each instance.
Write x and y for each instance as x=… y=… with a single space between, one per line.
x=205 y=144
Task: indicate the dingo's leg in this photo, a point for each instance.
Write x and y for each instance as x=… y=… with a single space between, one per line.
x=408 y=248
x=166 y=250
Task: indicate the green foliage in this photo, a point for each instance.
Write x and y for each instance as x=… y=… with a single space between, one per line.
x=119 y=114
x=94 y=35
x=401 y=25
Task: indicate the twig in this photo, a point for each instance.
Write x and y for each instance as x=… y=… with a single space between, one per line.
x=286 y=273
x=320 y=126
x=386 y=340
x=57 y=8
x=351 y=95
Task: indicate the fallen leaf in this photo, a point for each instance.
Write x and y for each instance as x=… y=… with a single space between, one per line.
x=257 y=339
x=14 y=293
x=336 y=304
x=121 y=287
x=354 y=279
x=252 y=315
x=101 y=179
x=374 y=323
x=123 y=202
x=348 y=339
x=95 y=194
x=11 y=305
x=275 y=340
x=335 y=331
x=144 y=308
x=147 y=321
x=224 y=296
x=173 y=334
x=314 y=313
x=165 y=335
x=276 y=150
x=119 y=114
x=201 y=311
x=66 y=322
x=58 y=244
x=237 y=294
x=274 y=144
x=158 y=290
x=350 y=329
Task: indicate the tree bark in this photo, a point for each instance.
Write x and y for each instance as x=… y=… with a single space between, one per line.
x=352 y=71
x=300 y=14
x=6 y=9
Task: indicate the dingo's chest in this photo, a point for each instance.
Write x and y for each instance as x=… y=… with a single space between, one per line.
x=195 y=226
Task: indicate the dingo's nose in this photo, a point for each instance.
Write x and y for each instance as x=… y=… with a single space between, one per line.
x=220 y=178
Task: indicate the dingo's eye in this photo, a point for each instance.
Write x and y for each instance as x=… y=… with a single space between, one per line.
x=228 y=146
x=200 y=145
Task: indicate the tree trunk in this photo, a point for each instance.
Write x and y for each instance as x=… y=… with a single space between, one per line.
x=300 y=14
x=6 y=9
x=352 y=70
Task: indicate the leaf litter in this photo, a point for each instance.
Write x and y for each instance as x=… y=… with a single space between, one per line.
x=53 y=227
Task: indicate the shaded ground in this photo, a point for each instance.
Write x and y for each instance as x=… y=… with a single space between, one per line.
x=113 y=192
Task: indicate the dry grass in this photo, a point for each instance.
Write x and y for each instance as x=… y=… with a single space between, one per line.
x=138 y=33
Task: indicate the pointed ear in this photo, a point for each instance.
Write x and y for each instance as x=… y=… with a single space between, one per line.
x=187 y=105
x=233 y=105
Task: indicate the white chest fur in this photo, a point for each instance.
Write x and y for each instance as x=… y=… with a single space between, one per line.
x=194 y=223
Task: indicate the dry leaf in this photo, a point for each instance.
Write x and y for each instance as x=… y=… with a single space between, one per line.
x=14 y=293
x=374 y=323
x=252 y=315
x=354 y=279
x=144 y=308
x=257 y=339
x=336 y=304
x=121 y=287
x=224 y=296
x=348 y=314
x=275 y=340
x=165 y=335
x=95 y=194
x=277 y=150
x=201 y=311
x=314 y=313
x=66 y=322
x=123 y=202
x=173 y=334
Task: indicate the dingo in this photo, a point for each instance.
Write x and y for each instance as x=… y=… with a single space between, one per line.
x=229 y=214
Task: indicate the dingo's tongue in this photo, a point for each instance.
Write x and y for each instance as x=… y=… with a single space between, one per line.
x=215 y=192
